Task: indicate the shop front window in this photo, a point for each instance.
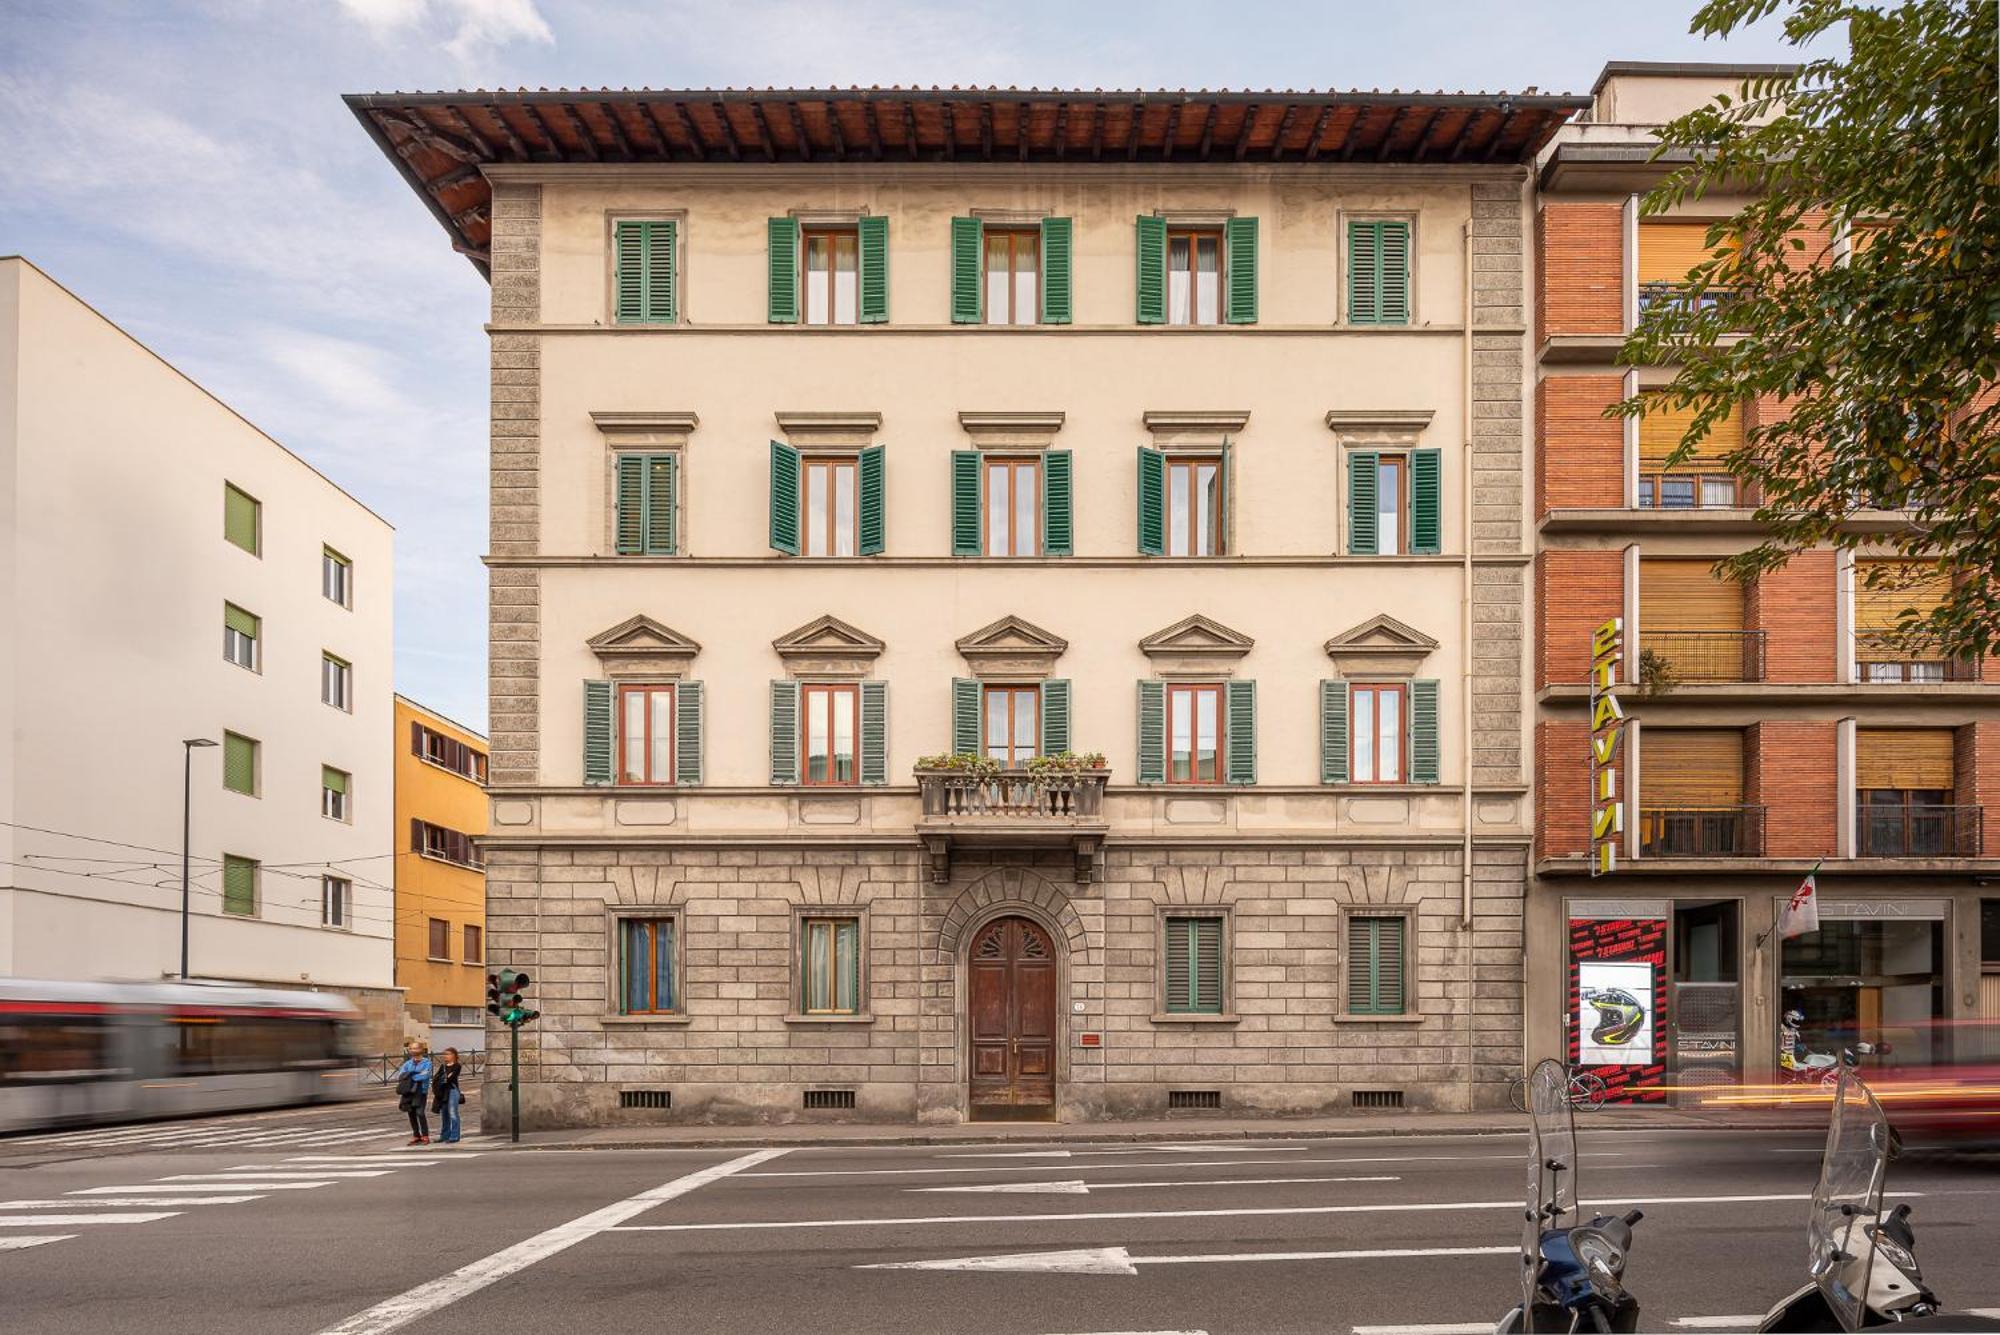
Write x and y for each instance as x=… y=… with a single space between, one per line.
x=1867 y=980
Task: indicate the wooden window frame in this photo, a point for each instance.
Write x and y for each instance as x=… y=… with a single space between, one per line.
x=346 y=814
x=1405 y=1012
x=831 y=232
x=833 y=690
x=989 y=691
x=804 y=918
x=1401 y=691
x=1014 y=236
x=421 y=845
x=346 y=678
x=1400 y=461
x=472 y=941
x=1197 y=689
x=830 y=463
x=625 y=690
x=1225 y=1012
x=1191 y=463
x=329 y=560
x=1011 y=467
x=615 y=988
x=438 y=928
x=1194 y=234
x=344 y=920
x=255 y=641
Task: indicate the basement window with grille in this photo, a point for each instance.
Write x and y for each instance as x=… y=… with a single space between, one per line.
x=829 y=1098
x=1376 y=1098
x=645 y=1098
x=1194 y=1098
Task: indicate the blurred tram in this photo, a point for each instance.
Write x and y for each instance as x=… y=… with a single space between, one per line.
x=75 y=1054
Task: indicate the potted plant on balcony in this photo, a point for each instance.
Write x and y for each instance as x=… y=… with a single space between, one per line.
x=1656 y=673
x=960 y=762
x=1066 y=762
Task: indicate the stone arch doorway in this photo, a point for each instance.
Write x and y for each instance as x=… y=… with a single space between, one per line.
x=1014 y=1020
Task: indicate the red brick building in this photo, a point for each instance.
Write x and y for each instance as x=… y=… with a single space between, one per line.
x=1761 y=731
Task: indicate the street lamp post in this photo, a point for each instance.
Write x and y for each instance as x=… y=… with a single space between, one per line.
x=187 y=835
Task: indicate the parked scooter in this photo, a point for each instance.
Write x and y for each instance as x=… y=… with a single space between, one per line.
x=1862 y=1263
x=1572 y=1273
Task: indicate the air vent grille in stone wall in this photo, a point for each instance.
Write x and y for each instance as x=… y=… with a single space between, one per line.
x=829 y=1098
x=1193 y=1098
x=1376 y=1098
x=645 y=1098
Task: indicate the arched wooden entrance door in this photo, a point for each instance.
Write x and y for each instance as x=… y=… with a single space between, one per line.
x=1011 y=968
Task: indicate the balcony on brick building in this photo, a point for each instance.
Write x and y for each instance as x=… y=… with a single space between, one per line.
x=1693 y=657
x=1916 y=829
x=1685 y=296
x=1012 y=809
x=1701 y=832
x=1879 y=657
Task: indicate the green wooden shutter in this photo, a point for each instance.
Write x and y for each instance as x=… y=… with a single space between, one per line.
x=242 y=622
x=782 y=236
x=1394 y=253
x=1151 y=246
x=1378 y=272
x=645 y=273
x=631 y=522
x=1207 y=971
x=784 y=732
x=1225 y=483
x=784 y=498
x=874 y=732
x=1240 y=759
x=967 y=257
x=967 y=514
x=333 y=780
x=1055 y=717
x=1058 y=532
x=1239 y=243
x=239 y=519
x=873 y=527
x=1152 y=758
x=688 y=737
x=662 y=514
x=600 y=745
x=1055 y=270
x=1333 y=732
x=1424 y=731
x=1152 y=502
x=872 y=235
x=628 y=279
x=1361 y=469
x=1375 y=966
x=1180 y=963
x=239 y=764
x=239 y=885
x=965 y=721
x=1426 y=508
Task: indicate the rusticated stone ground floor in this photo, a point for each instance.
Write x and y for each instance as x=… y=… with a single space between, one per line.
x=843 y=984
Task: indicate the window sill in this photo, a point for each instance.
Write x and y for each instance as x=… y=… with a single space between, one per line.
x=862 y=1018
x=1344 y=1018
x=452 y=862
x=643 y=1021
x=439 y=959
x=1177 y=1017
x=455 y=773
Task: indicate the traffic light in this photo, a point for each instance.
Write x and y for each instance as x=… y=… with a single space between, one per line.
x=492 y=994
x=506 y=993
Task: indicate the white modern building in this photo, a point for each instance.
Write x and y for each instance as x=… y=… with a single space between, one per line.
x=167 y=573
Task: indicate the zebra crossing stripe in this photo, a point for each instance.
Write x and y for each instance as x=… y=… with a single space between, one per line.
x=147 y=1201
x=172 y=1187
x=242 y=1174
x=16 y=1244
x=44 y=1220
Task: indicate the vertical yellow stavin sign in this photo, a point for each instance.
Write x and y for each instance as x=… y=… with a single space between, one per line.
x=1607 y=730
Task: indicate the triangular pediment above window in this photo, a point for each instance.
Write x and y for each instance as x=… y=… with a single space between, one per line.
x=828 y=647
x=1196 y=646
x=1380 y=647
x=1012 y=647
x=640 y=646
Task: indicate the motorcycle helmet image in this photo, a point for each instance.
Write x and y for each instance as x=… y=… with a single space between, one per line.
x=1619 y=1016
x=1795 y=1018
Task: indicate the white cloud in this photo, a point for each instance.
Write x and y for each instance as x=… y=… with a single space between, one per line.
x=477 y=28
x=384 y=17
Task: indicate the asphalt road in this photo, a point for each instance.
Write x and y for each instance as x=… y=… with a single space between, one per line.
x=1362 y=1234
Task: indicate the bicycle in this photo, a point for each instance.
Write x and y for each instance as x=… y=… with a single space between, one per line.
x=1584 y=1089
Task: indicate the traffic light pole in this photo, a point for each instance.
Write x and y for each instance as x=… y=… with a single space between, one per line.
x=514 y=1081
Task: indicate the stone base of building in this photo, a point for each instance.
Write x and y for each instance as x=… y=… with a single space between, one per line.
x=738 y=1049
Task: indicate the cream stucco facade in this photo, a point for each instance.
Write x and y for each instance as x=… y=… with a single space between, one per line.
x=114 y=575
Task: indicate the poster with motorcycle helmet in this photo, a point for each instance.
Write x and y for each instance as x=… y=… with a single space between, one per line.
x=1614 y=1020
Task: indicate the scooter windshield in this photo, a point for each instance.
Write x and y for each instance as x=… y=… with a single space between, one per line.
x=1840 y=1248
x=1551 y=1170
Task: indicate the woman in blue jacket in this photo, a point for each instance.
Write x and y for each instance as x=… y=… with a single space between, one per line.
x=413 y=1087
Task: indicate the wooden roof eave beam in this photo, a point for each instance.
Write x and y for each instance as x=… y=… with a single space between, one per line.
x=696 y=143
x=1492 y=146
x=514 y=144
x=1352 y=139
x=1318 y=132
x=729 y=139
x=472 y=136
x=555 y=150
x=583 y=134
x=1424 y=134
x=764 y=137
x=419 y=134
x=1061 y=144
x=1173 y=130
x=950 y=131
x=799 y=128
x=1284 y=124
x=833 y=131
x=1389 y=135
x=1207 y=132
x=618 y=136
x=1097 y=133
x=656 y=132
x=1243 y=135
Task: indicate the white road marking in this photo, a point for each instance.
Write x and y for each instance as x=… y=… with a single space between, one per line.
x=1078 y=1187
x=1146 y=1332
x=1189 y=1147
x=395 y=1313
x=1124 y=1167
x=16 y=1244
x=1746 y=1323
x=46 y=1220
x=1440 y=1328
x=230 y=1174
x=150 y=1202
x=182 y=1187
x=1119 y=1261
x=371 y=1160
x=1418 y=1207
x=1007 y=1154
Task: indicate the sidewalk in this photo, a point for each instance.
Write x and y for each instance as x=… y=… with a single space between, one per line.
x=1177 y=1129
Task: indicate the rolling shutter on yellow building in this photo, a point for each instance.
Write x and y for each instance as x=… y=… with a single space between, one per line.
x=1691 y=767
x=1667 y=250
x=1879 y=603
x=1687 y=595
x=1906 y=758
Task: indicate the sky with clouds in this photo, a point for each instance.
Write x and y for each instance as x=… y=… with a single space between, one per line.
x=187 y=167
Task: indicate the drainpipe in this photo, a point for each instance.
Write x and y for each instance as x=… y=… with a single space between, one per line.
x=1465 y=675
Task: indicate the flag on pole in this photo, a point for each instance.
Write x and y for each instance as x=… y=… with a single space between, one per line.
x=1801 y=913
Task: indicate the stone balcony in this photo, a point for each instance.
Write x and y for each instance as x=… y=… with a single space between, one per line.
x=1012 y=810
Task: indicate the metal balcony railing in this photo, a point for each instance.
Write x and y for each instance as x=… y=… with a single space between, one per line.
x=1684 y=296
x=1917 y=831
x=1688 y=489
x=1879 y=658
x=1701 y=832
x=1706 y=655
x=1012 y=796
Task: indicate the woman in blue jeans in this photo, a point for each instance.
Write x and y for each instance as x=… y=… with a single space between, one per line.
x=445 y=1096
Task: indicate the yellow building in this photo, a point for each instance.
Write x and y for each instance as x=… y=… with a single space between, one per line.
x=440 y=882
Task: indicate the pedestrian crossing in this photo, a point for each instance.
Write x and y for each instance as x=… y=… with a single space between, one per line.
x=169 y=1196
x=233 y=1134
